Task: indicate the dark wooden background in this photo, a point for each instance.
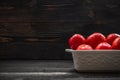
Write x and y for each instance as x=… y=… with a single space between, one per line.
x=39 y=29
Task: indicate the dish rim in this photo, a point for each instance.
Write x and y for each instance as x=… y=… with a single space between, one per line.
x=71 y=50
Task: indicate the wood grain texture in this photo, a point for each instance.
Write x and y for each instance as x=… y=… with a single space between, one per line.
x=42 y=27
x=49 y=70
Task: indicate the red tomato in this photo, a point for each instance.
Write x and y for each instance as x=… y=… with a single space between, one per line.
x=76 y=40
x=116 y=43
x=95 y=38
x=103 y=45
x=84 y=47
x=111 y=37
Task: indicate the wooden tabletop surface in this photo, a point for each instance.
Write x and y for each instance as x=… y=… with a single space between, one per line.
x=48 y=70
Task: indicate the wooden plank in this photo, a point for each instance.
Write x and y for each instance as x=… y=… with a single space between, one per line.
x=38 y=26
x=50 y=70
x=34 y=50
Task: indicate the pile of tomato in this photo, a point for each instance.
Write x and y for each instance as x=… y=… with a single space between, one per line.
x=95 y=41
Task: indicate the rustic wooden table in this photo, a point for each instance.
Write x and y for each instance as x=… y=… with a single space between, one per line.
x=48 y=70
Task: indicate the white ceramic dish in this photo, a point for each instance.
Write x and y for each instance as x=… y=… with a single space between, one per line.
x=96 y=60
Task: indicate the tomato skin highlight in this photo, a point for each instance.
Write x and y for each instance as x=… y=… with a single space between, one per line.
x=103 y=46
x=76 y=40
x=95 y=38
x=111 y=37
x=84 y=47
x=116 y=44
x=95 y=41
